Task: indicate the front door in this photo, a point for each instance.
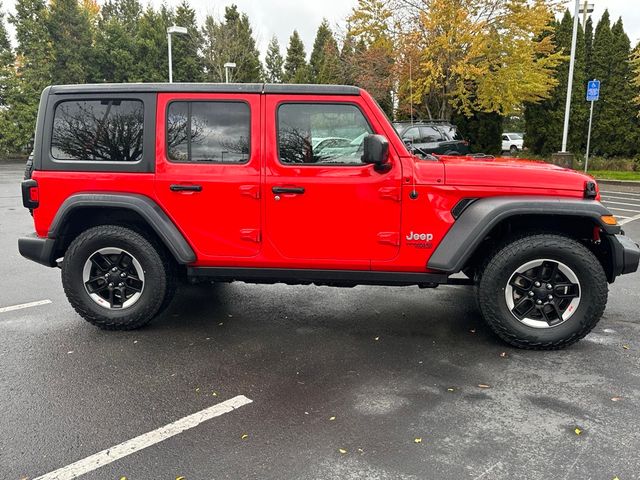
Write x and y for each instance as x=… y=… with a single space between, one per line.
x=208 y=170
x=324 y=207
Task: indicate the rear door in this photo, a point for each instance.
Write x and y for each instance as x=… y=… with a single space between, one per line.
x=208 y=170
x=324 y=207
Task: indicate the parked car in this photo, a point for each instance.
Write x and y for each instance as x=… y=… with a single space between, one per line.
x=135 y=186
x=432 y=137
x=512 y=142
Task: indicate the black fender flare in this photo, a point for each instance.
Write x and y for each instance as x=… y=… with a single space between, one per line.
x=480 y=216
x=144 y=206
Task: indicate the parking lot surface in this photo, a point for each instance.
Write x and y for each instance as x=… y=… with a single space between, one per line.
x=369 y=382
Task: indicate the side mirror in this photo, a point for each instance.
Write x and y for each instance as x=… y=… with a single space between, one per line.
x=376 y=153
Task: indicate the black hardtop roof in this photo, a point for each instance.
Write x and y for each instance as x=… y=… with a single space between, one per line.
x=273 y=88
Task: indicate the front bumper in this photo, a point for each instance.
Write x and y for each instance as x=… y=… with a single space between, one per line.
x=38 y=249
x=625 y=255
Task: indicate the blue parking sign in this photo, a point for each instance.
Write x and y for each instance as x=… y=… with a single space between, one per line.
x=593 y=91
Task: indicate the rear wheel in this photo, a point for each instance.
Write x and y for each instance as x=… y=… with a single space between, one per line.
x=542 y=291
x=115 y=278
x=513 y=150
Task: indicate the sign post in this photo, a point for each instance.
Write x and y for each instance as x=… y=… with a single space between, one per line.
x=593 y=94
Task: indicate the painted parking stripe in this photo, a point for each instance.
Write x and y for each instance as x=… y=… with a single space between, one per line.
x=621 y=209
x=620 y=193
x=620 y=198
x=24 y=305
x=143 y=441
x=621 y=203
x=627 y=220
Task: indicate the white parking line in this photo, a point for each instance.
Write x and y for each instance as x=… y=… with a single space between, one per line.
x=24 y=305
x=143 y=441
x=627 y=220
x=621 y=209
x=620 y=193
x=621 y=198
x=622 y=203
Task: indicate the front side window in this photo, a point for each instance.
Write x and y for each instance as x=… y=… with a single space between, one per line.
x=430 y=135
x=321 y=134
x=98 y=130
x=208 y=131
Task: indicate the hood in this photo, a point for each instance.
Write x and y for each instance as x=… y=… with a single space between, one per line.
x=511 y=172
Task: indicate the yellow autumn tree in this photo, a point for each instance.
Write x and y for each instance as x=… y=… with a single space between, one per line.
x=475 y=55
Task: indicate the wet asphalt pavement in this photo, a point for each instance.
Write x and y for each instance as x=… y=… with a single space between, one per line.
x=392 y=365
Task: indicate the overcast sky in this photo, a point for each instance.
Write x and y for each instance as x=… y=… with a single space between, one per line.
x=281 y=17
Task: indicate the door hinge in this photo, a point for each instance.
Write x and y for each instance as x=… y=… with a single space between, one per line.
x=252 y=191
x=391 y=193
x=250 y=234
x=389 y=238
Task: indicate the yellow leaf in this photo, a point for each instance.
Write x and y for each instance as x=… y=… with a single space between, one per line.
x=332 y=418
x=244 y=436
x=377 y=338
x=449 y=389
x=417 y=440
x=123 y=478
x=198 y=389
x=616 y=399
x=342 y=451
x=578 y=431
x=626 y=347
x=503 y=354
x=180 y=478
x=214 y=394
x=616 y=478
x=483 y=385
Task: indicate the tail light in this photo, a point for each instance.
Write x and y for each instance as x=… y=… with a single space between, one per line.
x=30 y=194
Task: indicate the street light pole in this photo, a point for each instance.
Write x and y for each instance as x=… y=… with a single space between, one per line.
x=572 y=61
x=227 y=66
x=170 y=30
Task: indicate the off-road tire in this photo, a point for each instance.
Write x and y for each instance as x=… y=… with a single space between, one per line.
x=159 y=281
x=505 y=260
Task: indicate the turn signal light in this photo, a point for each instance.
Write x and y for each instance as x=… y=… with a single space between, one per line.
x=609 y=219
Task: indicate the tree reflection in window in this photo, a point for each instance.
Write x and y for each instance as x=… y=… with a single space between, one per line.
x=208 y=131
x=98 y=130
x=321 y=134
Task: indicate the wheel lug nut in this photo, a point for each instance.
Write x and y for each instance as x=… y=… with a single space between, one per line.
x=114 y=269
x=539 y=302
x=537 y=284
x=121 y=284
x=110 y=285
x=123 y=275
x=106 y=275
x=531 y=294
x=549 y=286
x=550 y=297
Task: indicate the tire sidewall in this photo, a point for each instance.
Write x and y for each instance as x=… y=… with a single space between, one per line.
x=97 y=238
x=500 y=270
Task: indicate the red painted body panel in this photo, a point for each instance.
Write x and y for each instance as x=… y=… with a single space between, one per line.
x=349 y=217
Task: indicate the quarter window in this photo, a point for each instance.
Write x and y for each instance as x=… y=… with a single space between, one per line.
x=98 y=130
x=321 y=134
x=214 y=132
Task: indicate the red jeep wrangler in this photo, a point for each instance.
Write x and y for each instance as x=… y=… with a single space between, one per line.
x=133 y=186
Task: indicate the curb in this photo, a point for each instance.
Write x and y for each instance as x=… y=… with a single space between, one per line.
x=630 y=184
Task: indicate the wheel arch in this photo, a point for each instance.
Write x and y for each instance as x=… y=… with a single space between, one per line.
x=485 y=223
x=82 y=211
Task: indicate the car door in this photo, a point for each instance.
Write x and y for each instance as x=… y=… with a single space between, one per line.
x=208 y=170
x=327 y=209
x=413 y=136
x=506 y=143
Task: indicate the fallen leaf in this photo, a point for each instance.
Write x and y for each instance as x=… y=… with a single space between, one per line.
x=332 y=419
x=69 y=352
x=577 y=430
x=615 y=478
x=504 y=355
x=342 y=451
x=244 y=436
x=306 y=413
x=417 y=440
x=483 y=385
x=450 y=389
x=230 y=316
x=123 y=478
x=221 y=323
x=197 y=389
x=377 y=338
x=135 y=341
x=214 y=394
x=360 y=450
x=473 y=330
x=180 y=478
x=616 y=399
x=626 y=347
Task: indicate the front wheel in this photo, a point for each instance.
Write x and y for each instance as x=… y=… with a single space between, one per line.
x=115 y=278
x=542 y=292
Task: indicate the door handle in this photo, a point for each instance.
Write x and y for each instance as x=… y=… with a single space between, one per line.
x=295 y=190
x=185 y=188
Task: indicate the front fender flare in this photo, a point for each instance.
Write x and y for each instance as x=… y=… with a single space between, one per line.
x=480 y=217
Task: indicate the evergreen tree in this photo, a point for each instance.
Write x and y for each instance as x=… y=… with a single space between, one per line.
x=346 y=61
x=614 y=122
x=115 y=48
x=274 y=62
x=151 y=45
x=296 y=69
x=6 y=58
x=545 y=120
x=231 y=41
x=187 y=63
x=70 y=31
x=330 y=69
x=588 y=44
x=32 y=72
x=324 y=41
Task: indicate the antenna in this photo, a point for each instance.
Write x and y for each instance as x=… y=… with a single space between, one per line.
x=410 y=91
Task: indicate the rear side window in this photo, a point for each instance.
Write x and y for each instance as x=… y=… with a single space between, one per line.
x=321 y=134
x=98 y=130
x=208 y=131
